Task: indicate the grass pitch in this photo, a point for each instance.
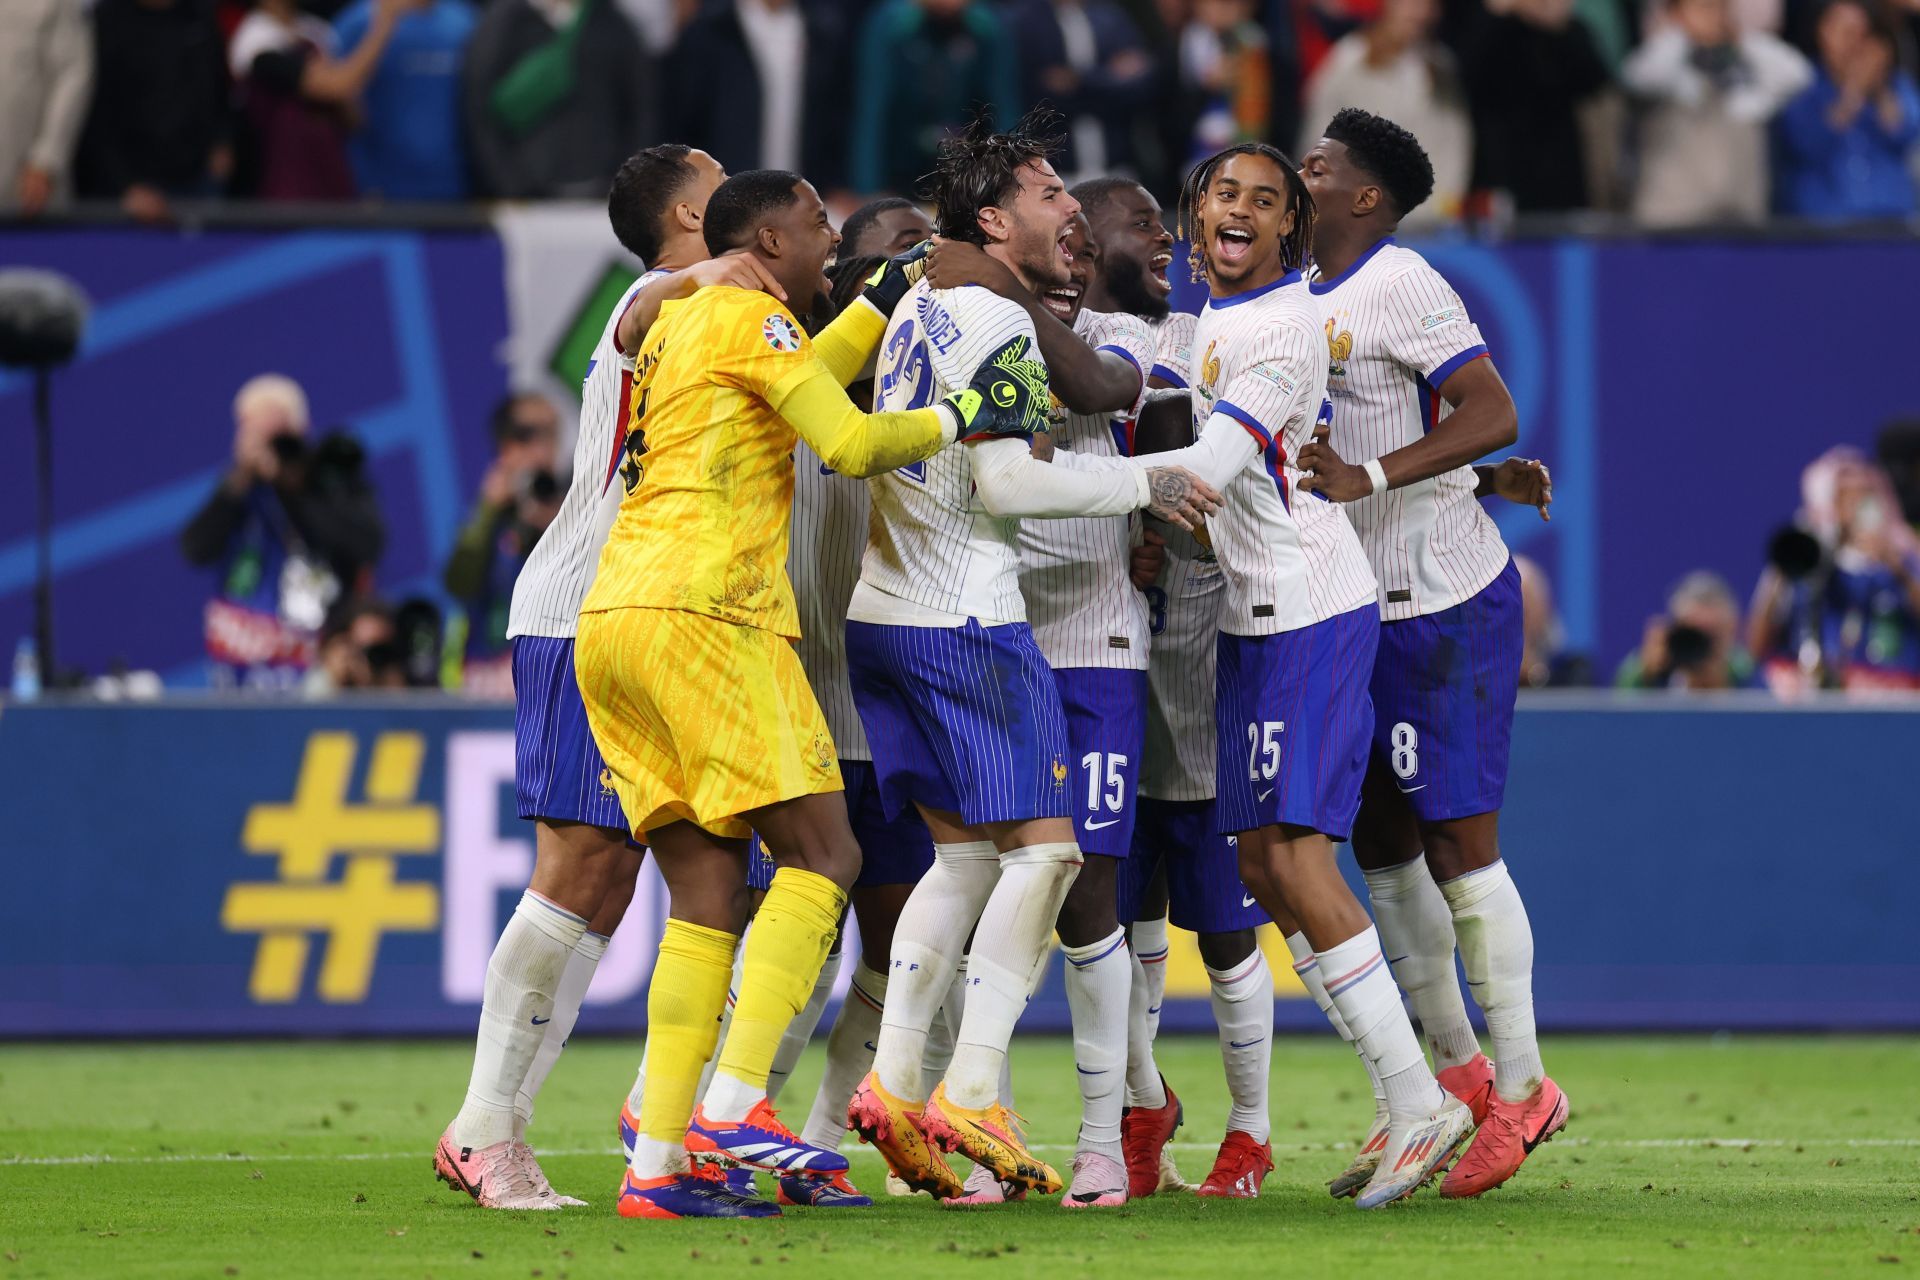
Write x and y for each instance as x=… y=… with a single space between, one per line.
x=1729 y=1156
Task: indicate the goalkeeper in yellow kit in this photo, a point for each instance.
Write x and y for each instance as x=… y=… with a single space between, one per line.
x=692 y=688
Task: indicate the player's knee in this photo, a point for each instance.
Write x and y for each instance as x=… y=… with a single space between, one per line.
x=1455 y=849
x=1227 y=950
x=836 y=860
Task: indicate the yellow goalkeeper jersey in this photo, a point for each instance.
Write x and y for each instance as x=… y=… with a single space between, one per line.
x=725 y=383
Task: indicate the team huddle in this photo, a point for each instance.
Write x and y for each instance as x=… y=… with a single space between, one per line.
x=959 y=584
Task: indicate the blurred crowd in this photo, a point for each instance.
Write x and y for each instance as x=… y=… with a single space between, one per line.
x=1679 y=112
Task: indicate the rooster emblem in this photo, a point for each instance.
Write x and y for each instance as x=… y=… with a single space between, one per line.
x=1059 y=775
x=1209 y=371
x=1339 y=348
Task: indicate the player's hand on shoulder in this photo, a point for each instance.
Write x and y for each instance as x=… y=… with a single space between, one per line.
x=1180 y=497
x=1008 y=395
x=891 y=279
x=954 y=263
x=1327 y=474
x=1525 y=481
x=741 y=270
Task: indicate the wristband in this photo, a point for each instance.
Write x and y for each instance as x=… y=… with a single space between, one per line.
x=1377 y=474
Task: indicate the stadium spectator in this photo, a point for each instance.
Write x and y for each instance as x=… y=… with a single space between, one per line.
x=1395 y=68
x=410 y=144
x=787 y=92
x=1695 y=644
x=1086 y=58
x=1545 y=662
x=882 y=228
x=1708 y=90
x=298 y=99
x=1529 y=65
x=519 y=496
x=290 y=528
x=922 y=68
x=1226 y=75
x=359 y=648
x=159 y=128
x=46 y=69
x=1844 y=610
x=558 y=93
x=1845 y=142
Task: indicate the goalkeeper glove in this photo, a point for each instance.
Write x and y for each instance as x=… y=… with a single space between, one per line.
x=891 y=279
x=1007 y=397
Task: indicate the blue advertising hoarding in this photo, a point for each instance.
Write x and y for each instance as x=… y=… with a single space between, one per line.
x=216 y=868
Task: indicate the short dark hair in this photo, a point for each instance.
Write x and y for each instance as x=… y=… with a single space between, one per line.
x=979 y=169
x=1294 y=251
x=848 y=277
x=861 y=220
x=642 y=192
x=504 y=418
x=739 y=206
x=1388 y=154
x=1094 y=193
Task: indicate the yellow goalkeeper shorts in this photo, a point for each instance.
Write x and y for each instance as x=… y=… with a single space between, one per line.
x=700 y=720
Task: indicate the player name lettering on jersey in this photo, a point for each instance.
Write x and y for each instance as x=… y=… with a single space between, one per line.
x=1396 y=331
x=932 y=545
x=823 y=561
x=1290 y=559
x=561 y=567
x=1074 y=573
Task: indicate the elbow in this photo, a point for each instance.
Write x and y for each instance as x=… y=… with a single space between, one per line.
x=1505 y=427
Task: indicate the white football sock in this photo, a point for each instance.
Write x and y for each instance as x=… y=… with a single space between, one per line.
x=1144 y=1088
x=938 y=1054
x=1362 y=989
x=726 y=1024
x=1150 y=941
x=1098 y=980
x=1308 y=970
x=850 y=1049
x=515 y=1007
x=639 y=1090
x=1243 y=1010
x=1496 y=949
x=1012 y=936
x=928 y=941
x=574 y=980
x=1416 y=927
x=800 y=1030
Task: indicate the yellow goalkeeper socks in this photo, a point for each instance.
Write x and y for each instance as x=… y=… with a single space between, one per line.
x=784 y=952
x=684 y=1003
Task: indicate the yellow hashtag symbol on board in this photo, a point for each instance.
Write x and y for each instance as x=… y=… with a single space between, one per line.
x=366 y=900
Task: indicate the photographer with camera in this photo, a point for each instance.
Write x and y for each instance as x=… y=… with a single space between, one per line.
x=518 y=498
x=1694 y=644
x=292 y=526
x=1838 y=605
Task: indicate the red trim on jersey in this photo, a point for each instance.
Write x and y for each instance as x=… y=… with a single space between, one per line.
x=620 y=425
x=1272 y=454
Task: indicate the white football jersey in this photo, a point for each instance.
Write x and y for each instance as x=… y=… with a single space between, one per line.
x=1173 y=356
x=930 y=542
x=1290 y=559
x=1074 y=573
x=823 y=561
x=1183 y=613
x=555 y=578
x=1395 y=331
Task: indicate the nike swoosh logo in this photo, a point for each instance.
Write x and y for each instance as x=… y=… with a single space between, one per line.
x=1246 y=900
x=1099 y=826
x=541 y=1021
x=1407 y=791
x=1244 y=1044
x=1395 y=959
x=1083 y=1071
x=872 y=1047
x=1266 y=793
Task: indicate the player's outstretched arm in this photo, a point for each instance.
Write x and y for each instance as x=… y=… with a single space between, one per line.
x=1086 y=380
x=742 y=270
x=859 y=444
x=1483 y=419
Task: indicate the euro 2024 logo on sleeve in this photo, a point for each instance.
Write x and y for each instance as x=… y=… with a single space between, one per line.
x=780 y=333
x=321 y=829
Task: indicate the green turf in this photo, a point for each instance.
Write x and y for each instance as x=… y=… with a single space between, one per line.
x=329 y=1173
